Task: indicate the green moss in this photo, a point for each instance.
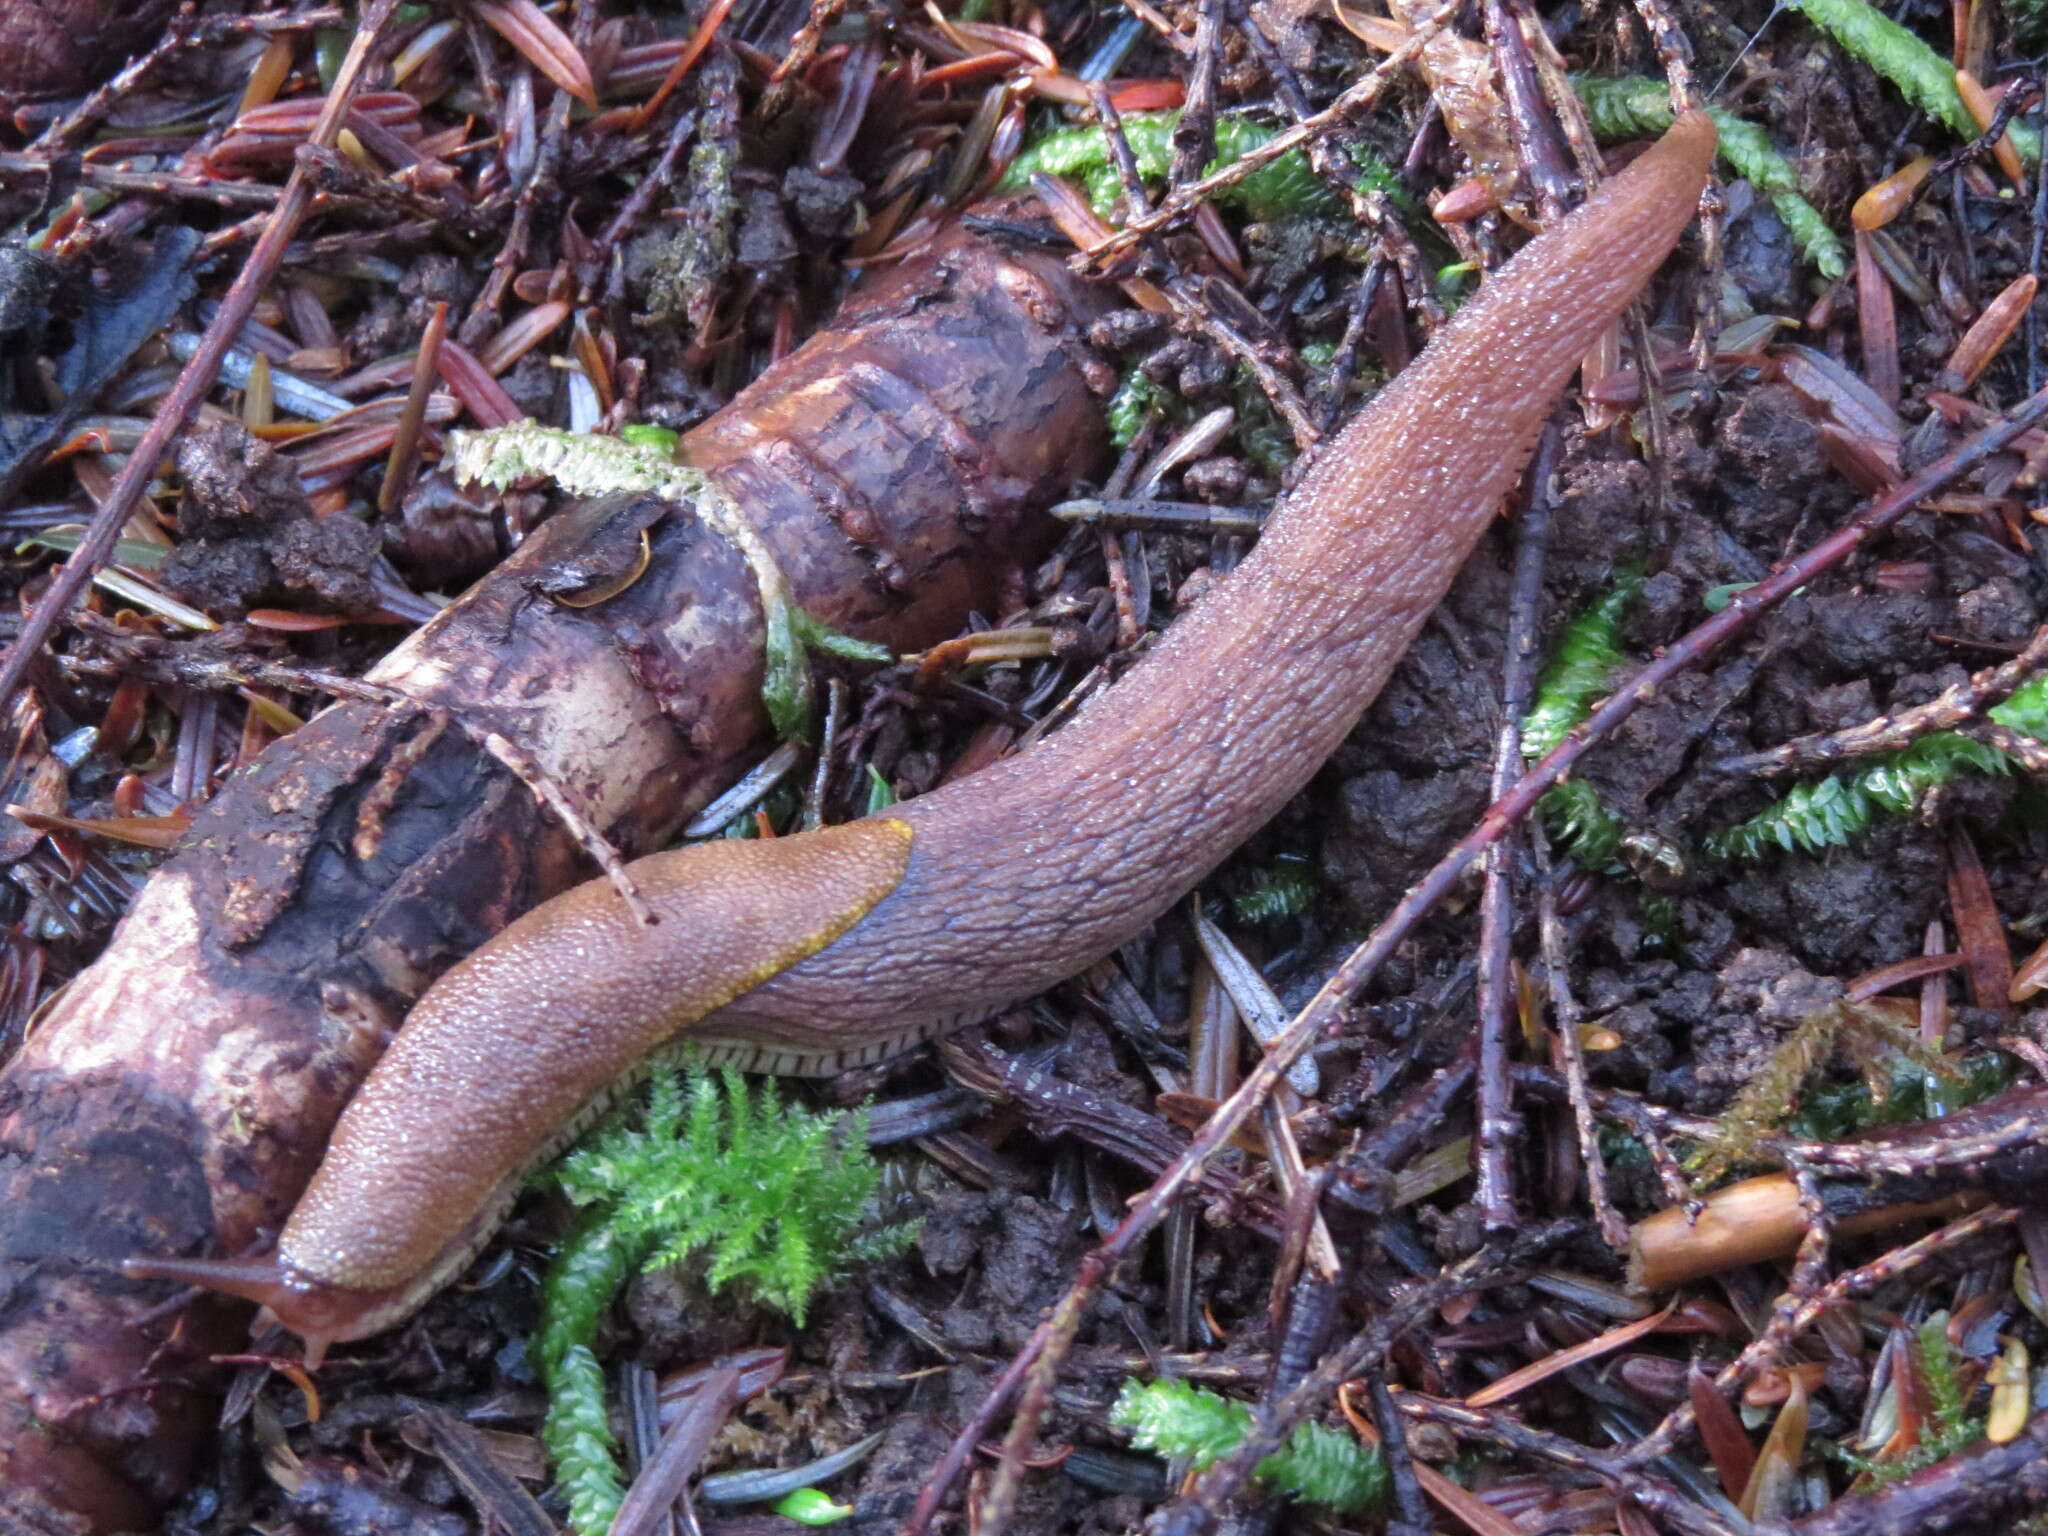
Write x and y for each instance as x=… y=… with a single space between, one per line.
x=1630 y=106
x=1287 y=188
x=1317 y=1465
x=1924 y=77
x=1579 y=669
x=1283 y=889
x=766 y=1197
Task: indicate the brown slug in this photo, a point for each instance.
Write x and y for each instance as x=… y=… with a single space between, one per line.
x=807 y=952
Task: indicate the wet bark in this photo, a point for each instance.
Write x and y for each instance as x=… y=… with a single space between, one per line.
x=178 y=1094
x=56 y=47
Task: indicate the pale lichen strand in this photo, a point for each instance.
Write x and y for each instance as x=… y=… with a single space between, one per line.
x=586 y=464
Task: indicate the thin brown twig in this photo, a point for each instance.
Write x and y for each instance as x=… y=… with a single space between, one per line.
x=1536 y=136
x=1674 y=51
x=199 y=374
x=1564 y=1007
x=1337 y=381
x=2011 y=105
x=1656 y=1496
x=1947 y=710
x=1121 y=155
x=404 y=456
x=1394 y=1452
x=1965 y=1492
x=1647 y=1123
x=175 y=38
x=1278 y=389
x=1568 y=111
x=163 y=184
x=1497 y=1126
x=2031 y=755
x=1187 y=295
x=1194 y=136
x=2037 y=249
x=1166 y=31
x=634 y=208
x=526 y=768
x=1370 y=207
x=2011 y=1126
x=225 y=675
x=1195 y=1511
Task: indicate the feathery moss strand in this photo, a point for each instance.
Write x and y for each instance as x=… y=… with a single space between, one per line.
x=1625 y=107
x=1924 y=77
x=1577 y=674
x=1579 y=819
x=1287 y=188
x=1317 y=1465
x=1580 y=669
x=1831 y=811
x=769 y=1196
x=1285 y=888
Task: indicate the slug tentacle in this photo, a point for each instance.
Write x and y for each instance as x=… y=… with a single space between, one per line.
x=319 y=1314
x=854 y=938
x=257 y=1280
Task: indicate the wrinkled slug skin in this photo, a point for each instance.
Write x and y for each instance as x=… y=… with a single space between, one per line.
x=1029 y=870
x=596 y=991
x=993 y=887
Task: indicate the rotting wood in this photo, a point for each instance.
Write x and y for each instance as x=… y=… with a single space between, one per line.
x=178 y=1094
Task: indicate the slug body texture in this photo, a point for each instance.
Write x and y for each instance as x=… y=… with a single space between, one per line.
x=1027 y=871
x=806 y=952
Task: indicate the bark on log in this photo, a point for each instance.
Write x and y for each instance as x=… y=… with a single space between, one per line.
x=178 y=1094
x=55 y=47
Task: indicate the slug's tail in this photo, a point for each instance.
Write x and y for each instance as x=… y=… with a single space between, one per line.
x=322 y=1315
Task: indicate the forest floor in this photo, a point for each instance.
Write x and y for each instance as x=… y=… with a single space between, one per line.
x=1787 y=902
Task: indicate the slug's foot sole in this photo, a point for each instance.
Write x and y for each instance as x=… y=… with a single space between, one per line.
x=782 y=1060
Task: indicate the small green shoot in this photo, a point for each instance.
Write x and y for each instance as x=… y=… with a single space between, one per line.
x=1317 y=1465
x=1948 y=1426
x=1136 y=400
x=808 y=1506
x=1584 y=827
x=1455 y=283
x=643 y=434
x=1906 y=1091
x=881 y=793
x=1284 y=888
x=1579 y=671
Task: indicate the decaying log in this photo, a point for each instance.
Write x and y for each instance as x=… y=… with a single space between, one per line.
x=54 y=47
x=177 y=1095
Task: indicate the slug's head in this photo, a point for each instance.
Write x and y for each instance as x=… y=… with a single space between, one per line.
x=317 y=1311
